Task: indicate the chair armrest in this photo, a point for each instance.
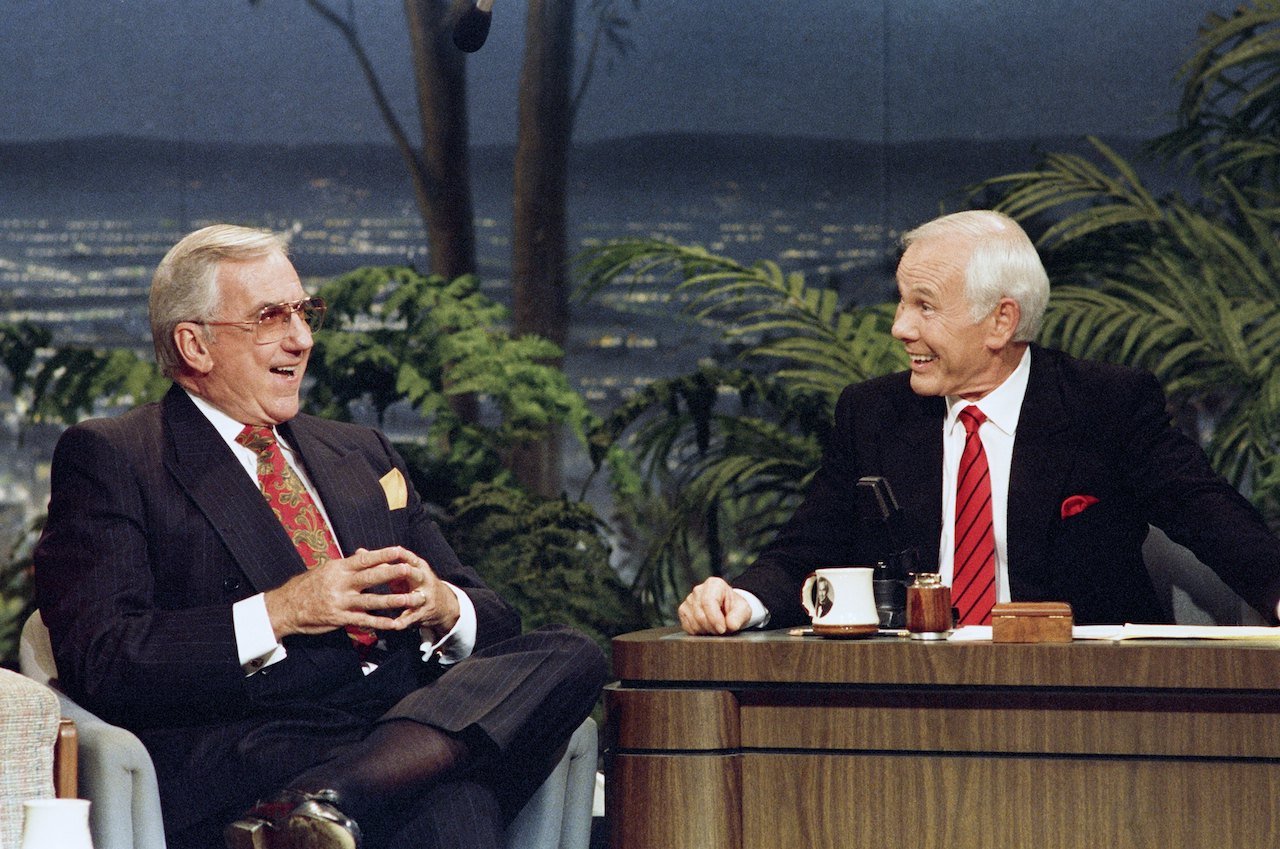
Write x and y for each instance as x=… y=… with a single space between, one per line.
x=558 y=815
x=117 y=776
x=66 y=761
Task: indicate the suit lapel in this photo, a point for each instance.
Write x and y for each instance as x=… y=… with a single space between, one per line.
x=346 y=483
x=209 y=473
x=1043 y=454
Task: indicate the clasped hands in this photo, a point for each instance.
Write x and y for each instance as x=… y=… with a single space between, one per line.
x=337 y=594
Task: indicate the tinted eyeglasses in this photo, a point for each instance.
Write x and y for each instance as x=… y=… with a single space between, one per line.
x=274 y=320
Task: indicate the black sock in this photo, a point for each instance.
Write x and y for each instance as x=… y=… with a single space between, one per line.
x=390 y=768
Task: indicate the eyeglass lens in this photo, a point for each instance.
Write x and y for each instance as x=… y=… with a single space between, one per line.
x=274 y=320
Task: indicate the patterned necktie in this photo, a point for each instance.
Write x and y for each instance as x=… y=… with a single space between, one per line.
x=294 y=507
x=973 y=584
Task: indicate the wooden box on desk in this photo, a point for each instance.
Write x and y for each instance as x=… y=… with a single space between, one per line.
x=1031 y=622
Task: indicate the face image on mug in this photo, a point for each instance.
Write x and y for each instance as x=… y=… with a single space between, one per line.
x=823 y=596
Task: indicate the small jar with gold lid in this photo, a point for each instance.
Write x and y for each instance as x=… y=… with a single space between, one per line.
x=928 y=607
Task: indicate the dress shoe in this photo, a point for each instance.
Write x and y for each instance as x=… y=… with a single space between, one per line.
x=293 y=819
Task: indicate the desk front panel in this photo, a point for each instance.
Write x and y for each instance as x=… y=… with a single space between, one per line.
x=970 y=802
x=1028 y=721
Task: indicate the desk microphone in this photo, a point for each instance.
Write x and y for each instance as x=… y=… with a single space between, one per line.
x=877 y=490
x=900 y=563
x=472 y=27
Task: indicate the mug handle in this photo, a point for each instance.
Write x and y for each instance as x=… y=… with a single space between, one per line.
x=806 y=594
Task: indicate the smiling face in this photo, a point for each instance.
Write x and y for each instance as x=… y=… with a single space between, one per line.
x=950 y=353
x=253 y=383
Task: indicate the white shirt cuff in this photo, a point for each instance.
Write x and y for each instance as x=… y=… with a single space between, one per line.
x=256 y=642
x=460 y=642
x=759 y=615
x=257 y=647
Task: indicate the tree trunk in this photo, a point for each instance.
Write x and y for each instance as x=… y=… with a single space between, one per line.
x=442 y=178
x=539 y=266
x=443 y=184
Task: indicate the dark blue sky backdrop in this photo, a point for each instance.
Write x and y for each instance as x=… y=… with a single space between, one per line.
x=221 y=70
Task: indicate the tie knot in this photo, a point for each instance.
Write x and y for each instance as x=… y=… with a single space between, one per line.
x=257 y=438
x=972 y=418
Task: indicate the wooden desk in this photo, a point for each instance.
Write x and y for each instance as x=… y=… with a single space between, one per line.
x=767 y=741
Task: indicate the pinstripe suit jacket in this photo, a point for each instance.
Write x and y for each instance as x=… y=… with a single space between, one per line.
x=154 y=531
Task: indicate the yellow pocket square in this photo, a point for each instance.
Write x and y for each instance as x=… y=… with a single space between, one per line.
x=393 y=485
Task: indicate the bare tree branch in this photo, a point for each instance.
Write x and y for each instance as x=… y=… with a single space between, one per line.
x=346 y=26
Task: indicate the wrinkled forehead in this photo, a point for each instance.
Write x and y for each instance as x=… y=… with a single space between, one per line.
x=934 y=266
x=251 y=284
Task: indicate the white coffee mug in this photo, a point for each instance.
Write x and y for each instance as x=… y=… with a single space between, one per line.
x=841 y=601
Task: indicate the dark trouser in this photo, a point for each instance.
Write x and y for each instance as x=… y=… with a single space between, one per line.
x=515 y=704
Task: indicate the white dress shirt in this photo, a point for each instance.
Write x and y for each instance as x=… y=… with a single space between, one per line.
x=1001 y=406
x=256 y=643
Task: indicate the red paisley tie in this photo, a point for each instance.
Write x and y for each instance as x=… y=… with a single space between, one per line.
x=973 y=585
x=295 y=509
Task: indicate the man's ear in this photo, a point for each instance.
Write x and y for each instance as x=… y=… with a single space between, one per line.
x=193 y=347
x=1005 y=320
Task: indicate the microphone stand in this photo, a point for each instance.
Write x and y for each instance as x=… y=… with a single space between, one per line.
x=900 y=565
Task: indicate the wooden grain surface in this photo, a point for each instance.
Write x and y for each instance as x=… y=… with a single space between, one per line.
x=1165 y=724
x=773 y=657
x=837 y=802
x=656 y=802
x=671 y=719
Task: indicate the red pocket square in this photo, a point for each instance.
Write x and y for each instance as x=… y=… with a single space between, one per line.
x=1076 y=504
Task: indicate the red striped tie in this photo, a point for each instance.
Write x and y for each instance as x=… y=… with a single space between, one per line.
x=973 y=583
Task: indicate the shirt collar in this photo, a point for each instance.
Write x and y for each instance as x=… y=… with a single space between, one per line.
x=1002 y=405
x=227 y=427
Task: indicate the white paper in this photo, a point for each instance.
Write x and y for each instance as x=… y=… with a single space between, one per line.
x=979 y=633
x=1196 y=632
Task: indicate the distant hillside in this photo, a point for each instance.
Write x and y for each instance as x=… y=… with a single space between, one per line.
x=131 y=176
x=123 y=159
x=837 y=160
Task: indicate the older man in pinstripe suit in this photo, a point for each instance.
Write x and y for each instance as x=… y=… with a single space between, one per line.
x=372 y=691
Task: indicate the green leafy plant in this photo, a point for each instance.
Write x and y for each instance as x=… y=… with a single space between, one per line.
x=548 y=557
x=63 y=384
x=1229 y=116
x=723 y=454
x=395 y=336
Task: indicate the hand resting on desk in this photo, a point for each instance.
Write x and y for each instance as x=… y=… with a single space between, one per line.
x=712 y=607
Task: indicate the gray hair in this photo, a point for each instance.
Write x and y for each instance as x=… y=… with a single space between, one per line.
x=1004 y=264
x=184 y=287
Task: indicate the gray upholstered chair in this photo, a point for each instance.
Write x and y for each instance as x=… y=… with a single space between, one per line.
x=1190 y=592
x=117 y=775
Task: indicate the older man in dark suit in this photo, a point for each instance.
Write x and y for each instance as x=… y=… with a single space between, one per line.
x=1024 y=474
x=262 y=597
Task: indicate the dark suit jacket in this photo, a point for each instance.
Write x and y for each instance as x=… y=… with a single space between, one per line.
x=1085 y=429
x=154 y=531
